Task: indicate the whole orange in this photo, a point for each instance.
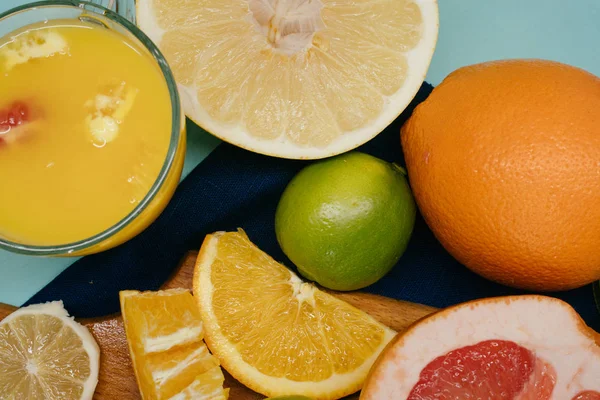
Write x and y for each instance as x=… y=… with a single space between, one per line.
x=504 y=162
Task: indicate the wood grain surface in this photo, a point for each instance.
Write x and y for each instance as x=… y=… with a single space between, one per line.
x=116 y=380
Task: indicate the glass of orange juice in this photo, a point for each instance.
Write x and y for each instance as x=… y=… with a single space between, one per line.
x=92 y=136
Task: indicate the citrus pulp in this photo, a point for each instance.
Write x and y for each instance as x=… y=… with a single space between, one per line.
x=290 y=398
x=47 y=355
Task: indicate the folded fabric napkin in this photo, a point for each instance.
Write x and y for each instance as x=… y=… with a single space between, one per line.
x=235 y=188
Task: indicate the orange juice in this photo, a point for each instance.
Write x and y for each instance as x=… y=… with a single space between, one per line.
x=85 y=128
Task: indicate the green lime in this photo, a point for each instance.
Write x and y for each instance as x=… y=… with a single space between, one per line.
x=345 y=221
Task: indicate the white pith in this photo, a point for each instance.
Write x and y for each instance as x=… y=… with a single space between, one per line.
x=548 y=328
x=89 y=344
x=278 y=386
x=418 y=60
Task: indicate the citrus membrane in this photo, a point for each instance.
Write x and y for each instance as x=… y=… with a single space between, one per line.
x=275 y=333
x=294 y=78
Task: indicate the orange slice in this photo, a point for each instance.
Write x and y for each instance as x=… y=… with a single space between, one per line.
x=45 y=354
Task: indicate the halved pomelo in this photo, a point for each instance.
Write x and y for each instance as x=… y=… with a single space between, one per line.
x=273 y=332
x=294 y=78
x=520 y=347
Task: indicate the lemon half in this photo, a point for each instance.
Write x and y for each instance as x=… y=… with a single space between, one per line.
x=45 y=354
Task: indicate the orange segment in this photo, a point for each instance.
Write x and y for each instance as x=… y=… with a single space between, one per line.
x=273 y=332
x=176 y=368
x=164 y=333
x=295 y=79
x=205 y=386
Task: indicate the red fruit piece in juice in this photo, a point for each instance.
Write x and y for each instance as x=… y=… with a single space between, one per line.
x=493 y=369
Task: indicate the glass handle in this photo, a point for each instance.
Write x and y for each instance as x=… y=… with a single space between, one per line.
x=125 y=8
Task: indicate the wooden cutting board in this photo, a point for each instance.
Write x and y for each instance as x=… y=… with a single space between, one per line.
x=116 y=379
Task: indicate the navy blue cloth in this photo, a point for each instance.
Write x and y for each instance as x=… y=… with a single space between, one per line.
x=235 y=188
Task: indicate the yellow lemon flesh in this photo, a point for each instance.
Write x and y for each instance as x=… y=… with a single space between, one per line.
x=275 y=333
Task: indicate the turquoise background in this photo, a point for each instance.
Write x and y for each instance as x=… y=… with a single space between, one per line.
x=470 y=31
